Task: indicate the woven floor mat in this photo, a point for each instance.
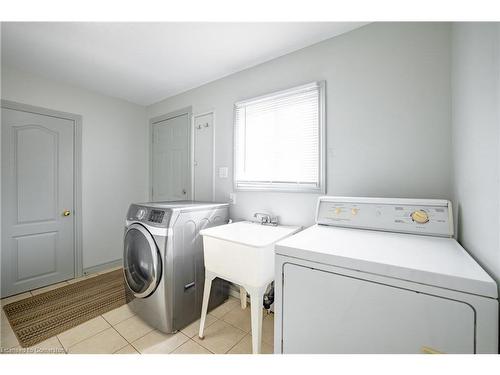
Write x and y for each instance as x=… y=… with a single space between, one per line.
x=40 y=317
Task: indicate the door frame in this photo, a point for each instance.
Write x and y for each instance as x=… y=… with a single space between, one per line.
x=153 y=121
x=77 y=171
x=201 y=114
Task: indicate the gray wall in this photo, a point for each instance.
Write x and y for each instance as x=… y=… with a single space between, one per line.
x=388 y=115
x=114 y=158
x=476 y=140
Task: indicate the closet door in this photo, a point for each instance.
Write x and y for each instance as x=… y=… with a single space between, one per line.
x=171 y=172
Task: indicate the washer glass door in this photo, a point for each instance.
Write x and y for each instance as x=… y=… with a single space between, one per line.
x=142 y=261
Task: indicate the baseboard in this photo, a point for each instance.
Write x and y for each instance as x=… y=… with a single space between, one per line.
x=102 y=267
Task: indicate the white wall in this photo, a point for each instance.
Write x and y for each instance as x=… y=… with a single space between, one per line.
x=114 y=157
x=388 y=115
x=476 y=140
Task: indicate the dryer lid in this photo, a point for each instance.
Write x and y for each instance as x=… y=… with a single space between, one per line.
x=434 y=261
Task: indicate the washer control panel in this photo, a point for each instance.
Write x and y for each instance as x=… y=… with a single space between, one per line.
x=418 y=216
x=149 y=215
x=156 y=216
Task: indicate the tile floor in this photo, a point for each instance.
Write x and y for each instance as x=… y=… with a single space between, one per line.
x=120 y=331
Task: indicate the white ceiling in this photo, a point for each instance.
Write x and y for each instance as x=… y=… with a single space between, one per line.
x=147 y=62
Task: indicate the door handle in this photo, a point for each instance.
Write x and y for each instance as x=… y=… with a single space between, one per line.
x=66 y=213
x=184 y=191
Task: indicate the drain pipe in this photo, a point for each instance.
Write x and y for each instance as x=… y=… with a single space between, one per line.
x=269 y=296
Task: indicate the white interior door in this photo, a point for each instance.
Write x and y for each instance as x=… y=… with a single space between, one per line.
x=37 y=201
x=204 y=157
x=171 y=172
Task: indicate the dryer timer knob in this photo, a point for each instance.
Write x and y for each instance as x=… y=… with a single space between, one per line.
x=420 y=216
x=141 y=213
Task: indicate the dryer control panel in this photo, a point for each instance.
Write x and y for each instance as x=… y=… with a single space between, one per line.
x=431 y=217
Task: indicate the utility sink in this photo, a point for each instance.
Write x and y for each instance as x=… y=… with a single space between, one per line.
x=243 y=252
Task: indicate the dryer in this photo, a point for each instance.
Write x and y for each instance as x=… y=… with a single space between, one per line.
x=163 y=261
x=379 y=275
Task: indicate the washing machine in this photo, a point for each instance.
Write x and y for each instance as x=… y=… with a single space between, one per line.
x=377 y=275
x=163 y=261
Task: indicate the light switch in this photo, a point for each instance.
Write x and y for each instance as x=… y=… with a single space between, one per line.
x=223 y=172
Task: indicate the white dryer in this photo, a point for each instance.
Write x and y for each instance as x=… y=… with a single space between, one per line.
x=382 y=276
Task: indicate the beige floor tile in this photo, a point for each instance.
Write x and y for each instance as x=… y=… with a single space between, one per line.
x=48 y=288
x=133 y=328
x=129 y=349
x=242 y=319
x=239 y=318
x=8 y=338
x=220 y=337
x=109 y=270
x=78 y=279
x=105 y=342
x=226 y=307
x=268 y=329
x=190 y=347
x=17 y=297
x=156 y=342
x=118 y=315
x=3 y=319
x=51 y=346
x=192 y=329
x=82 y=332
x=245 y=347
x=85 y=277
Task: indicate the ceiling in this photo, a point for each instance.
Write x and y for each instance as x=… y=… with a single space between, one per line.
x=147 y=62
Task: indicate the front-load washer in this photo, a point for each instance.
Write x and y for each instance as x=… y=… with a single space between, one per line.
x=378 y=275
x=163 y=261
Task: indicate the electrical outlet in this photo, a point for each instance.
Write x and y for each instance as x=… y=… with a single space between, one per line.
x=223 y=172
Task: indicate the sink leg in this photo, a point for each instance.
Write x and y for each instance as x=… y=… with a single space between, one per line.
x=256 y=296
x=206 y=296
x=243 y=298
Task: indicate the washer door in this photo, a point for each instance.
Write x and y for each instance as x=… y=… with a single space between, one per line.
x=142 y=261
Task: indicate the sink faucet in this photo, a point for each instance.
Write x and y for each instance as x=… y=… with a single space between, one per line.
x=266 y=219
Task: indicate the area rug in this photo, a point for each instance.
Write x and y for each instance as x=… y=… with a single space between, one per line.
x=40 y=317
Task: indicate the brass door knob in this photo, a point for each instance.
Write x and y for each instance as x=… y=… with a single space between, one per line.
x=66 y=212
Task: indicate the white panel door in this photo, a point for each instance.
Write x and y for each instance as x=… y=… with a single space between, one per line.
x=37 y=190
x=171 y=173
x=327 y=313
x=203 y=157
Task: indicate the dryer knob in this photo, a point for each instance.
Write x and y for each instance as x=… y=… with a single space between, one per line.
x=420 y=216
x=141 y=213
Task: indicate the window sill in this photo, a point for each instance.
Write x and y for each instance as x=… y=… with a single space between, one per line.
x=279 y=189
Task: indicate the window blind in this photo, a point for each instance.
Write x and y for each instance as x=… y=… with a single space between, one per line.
x=278 y=140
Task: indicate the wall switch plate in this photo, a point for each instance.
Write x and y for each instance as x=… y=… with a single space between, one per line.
x=223 y=171
x=232 y=198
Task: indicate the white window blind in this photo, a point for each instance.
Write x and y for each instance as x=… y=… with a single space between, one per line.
x=278 y=141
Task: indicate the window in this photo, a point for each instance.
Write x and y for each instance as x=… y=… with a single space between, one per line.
x=279 y=141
